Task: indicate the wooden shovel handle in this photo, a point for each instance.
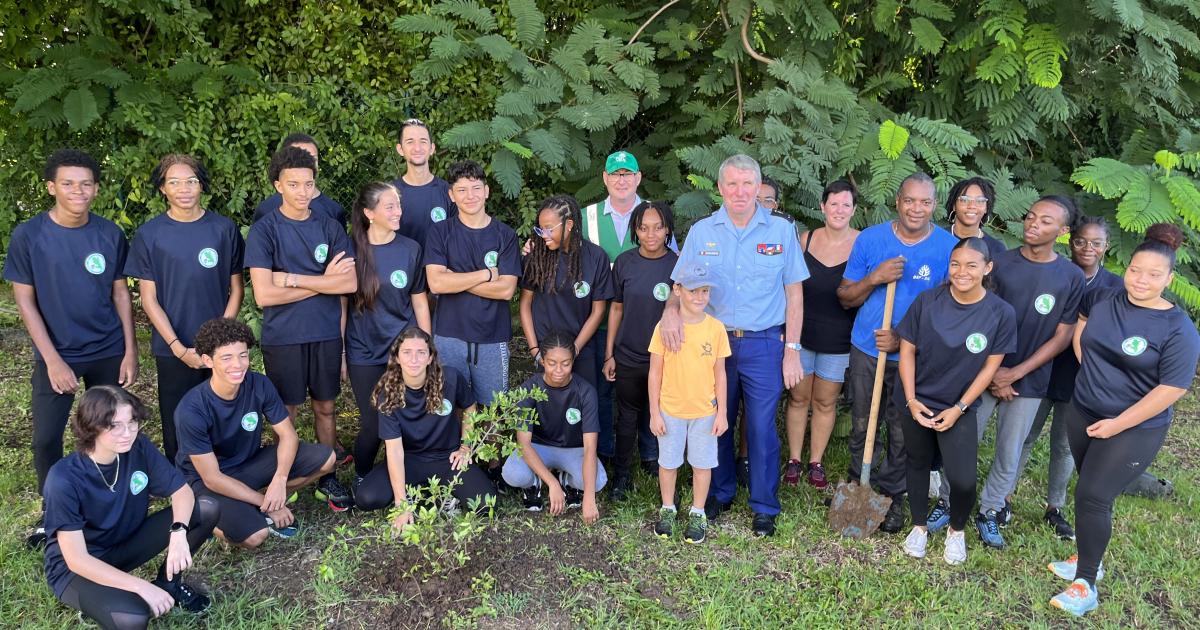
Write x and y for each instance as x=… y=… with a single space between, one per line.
x=877 y=391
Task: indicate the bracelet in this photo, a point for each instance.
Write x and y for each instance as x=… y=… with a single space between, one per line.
x=910 y=402
x=173 y=342
x=609 y=358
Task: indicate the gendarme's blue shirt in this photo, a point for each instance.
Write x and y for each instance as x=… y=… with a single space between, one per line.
x=749 y=267
x=925 y=266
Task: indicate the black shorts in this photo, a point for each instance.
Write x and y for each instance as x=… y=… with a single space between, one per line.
x=308 y=369
x=240 y=520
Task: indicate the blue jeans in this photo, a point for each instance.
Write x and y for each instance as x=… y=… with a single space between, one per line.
x=484 y=364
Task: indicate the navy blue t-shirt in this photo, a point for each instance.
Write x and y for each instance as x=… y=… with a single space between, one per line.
x=191 y=265
x=642 y=286
x=72 y=271
x=430 y=435
x=1043 y=295
x=306 y=248
x=1129 y=350
x=461 y=249
x=1065 y=367
x=321 y=204
x=947 y=333
x=370 y=332
x=229 y=429
x=567 y=413
x=423 y=206
x=569 y=304
x=78 y=499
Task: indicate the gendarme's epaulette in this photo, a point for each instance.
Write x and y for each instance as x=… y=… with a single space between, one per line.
x=783 y=215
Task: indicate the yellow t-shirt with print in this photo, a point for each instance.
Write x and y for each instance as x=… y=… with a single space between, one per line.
x=689 y=384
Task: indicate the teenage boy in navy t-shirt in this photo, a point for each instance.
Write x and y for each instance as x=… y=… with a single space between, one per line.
x=426 y=196
x=301 y=267
x=65 y=265
x=319 y=203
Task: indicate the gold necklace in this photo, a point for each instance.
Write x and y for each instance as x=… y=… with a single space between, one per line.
x=112 y=487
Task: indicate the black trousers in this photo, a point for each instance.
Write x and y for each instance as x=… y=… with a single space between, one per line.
x=114 y=608
x=633 y=417
x=363 y=379
x=375 y=491
x=175 y=379
x=959 y=450
x=891 y=475
x=1106 y=467
x=51 y=410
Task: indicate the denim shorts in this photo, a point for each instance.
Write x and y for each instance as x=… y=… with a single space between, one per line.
x=827 y=367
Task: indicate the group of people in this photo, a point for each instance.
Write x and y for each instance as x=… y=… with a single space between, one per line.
x=643 y=346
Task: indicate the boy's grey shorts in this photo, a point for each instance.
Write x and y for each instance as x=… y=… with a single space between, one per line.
x=696 y=435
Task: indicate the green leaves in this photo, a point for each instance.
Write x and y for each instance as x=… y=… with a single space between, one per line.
x=1106 y=177
x=1044 y=53
x=927 y=36
x=530 y=23
x=80 y=108
x=892 y=139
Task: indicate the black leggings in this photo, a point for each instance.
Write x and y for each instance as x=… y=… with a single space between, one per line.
x=633 y=415
x=375 y=491
x=1105 y=468
x=175 y=379
x=114 y=608
x=363 y=379
x=958 y=447
x=51 y=410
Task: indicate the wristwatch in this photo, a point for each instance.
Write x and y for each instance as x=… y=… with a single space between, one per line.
x=792 y=346
x=962 y=406
x=178 y=527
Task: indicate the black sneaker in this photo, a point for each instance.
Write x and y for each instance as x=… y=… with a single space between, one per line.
x=896 y=515
x=331 y=490
x=713 y=509
x=36 y=540
x=531 y=497
x=620 y=488
x=665 y=526
x=697 y=528
x=650 y=467
x=764 y=525
x=1005 y=516
x=342 y=456
x=574 y=497
x=186 y=596
x=1054 y=518
x=741 y=470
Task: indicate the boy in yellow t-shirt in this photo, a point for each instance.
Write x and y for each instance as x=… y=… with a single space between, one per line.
x=687 y=403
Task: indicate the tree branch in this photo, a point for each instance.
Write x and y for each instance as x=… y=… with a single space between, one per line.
x=746 y=40
x=648 y=21
x=737 y=77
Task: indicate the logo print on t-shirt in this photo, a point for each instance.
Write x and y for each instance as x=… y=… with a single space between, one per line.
x=706 y=349
x=491 y=258
x=138 y=482
x=321 y=253
x=923 y=273
x=250 y=421
x=208 y=258
x=445 y=409
x=1134 y=346
x=1043 y=303
x=573 y=416
x=399 y=279
x=662 y=291
x=437 y=214
x=95 y=263
x=582 y=289
x=976 y=343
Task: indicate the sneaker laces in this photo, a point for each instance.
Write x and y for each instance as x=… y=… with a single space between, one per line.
x=990 y=524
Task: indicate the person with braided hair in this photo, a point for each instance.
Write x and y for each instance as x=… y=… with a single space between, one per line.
x=565 y=284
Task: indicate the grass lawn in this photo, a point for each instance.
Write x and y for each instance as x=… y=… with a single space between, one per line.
x=536 y=571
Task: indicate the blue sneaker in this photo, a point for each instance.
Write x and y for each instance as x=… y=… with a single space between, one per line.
x=989 y=529
x=1078 y=599
x=283 y=532
x=939 y=517
x=1065 y=569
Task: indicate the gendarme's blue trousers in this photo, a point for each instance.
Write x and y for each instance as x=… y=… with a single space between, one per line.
x=755 y=378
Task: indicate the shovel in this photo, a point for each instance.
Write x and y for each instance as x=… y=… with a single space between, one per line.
x=856 y=510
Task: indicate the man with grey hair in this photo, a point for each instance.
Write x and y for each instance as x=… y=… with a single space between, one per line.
x=915 y=254
x=756 y=266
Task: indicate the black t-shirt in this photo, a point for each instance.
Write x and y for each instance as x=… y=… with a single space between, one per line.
x=72 y=271
x=1043 y=295
x=567 y=413
x=77 y=498
x=425 y=435
x=570 y=303
x=370 y=333
x=1129 y=350
x=229 y=429
x=461 y=249
x=321 y=204
x=306 y=248
x=191 y=265
x=827 y=324
x=1065 y=367
x=642 y=285
x=423 y=206
x=947 y=333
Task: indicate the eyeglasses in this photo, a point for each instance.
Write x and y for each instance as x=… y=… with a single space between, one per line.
x=1082 y=243
x=768 y=202
x=973 y=201
x=190 y=182
x=622 y=174
x=546 y=232
x=119 y=428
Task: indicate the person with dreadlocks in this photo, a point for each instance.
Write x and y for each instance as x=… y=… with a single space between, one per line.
x=565 y=285
x=424 y=413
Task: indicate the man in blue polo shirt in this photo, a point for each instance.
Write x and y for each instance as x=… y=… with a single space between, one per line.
x=757 y=268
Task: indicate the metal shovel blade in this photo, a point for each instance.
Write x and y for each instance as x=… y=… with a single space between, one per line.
x=856 y=510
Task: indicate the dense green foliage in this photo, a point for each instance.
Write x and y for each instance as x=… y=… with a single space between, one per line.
x=1040 y=96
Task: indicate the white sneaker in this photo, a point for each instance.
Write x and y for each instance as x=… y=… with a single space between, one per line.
x=956 y=548
x=914 y=545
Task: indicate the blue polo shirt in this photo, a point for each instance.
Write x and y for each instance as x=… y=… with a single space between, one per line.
x=749 y=266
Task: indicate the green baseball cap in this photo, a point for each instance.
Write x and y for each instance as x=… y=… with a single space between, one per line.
x=621 y=160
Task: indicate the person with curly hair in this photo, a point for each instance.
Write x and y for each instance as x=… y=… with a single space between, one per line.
x=320 y=203
x=969 y=206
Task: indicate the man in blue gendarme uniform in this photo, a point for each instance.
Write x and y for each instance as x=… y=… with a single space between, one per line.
x=756 y=265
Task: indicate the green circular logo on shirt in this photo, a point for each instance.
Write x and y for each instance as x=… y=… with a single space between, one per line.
x=573 y=416
x=138 y=482
x=1044 y=303
x=491 y=258
x=446 y=408
x=437 y=214
x=250 y=421
x=321 y=253
x=95 y=263
x=208 y=258
x=976 y=343
x=662 y=291
x=582 y=289
x=399 y=279
x=1134 y=346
